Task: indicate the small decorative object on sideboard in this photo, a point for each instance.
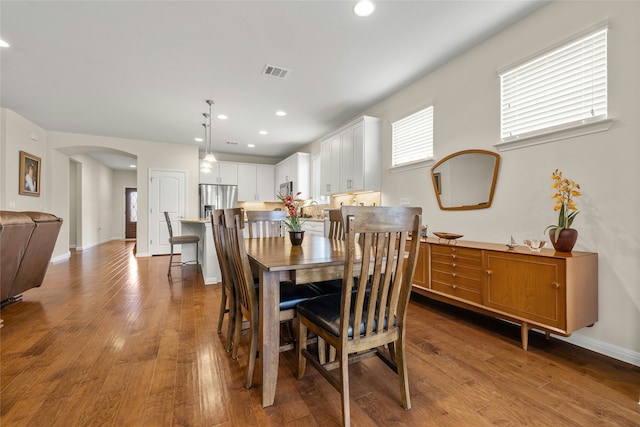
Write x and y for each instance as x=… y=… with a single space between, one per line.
x=562 y=236
x=447 y=236
x=294 y=223
x=512 y=244
x=534 y=244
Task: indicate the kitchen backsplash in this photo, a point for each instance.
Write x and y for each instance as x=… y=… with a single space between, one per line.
x=317 y=211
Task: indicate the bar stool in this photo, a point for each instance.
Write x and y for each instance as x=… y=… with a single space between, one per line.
x=180 y=240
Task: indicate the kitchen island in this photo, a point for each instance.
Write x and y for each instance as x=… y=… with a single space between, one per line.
x=201 y=227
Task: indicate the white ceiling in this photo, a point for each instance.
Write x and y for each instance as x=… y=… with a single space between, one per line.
x=143 y=69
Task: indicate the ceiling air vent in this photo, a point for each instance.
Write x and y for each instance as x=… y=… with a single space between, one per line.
x=231 y=143
x=274 y=71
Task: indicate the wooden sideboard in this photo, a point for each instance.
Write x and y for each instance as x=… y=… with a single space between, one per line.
x=551 y=291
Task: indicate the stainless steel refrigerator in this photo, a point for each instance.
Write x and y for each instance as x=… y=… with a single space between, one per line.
x=214 y=196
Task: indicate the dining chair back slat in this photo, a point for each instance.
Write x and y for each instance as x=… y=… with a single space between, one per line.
x=266 y=223
x=336 y=228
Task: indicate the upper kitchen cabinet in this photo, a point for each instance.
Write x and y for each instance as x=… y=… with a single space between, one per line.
x=255 y=183
x=224 y=173
x=350 y=158
x=296 y=169
x=330 y=165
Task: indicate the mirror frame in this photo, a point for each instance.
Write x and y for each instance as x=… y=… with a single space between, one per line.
x=436 y=181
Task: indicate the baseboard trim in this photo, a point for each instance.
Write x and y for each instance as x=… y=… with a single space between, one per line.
x=62 y=257
x=610 y=350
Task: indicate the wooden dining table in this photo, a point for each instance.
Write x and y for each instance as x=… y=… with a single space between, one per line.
x=275 y=259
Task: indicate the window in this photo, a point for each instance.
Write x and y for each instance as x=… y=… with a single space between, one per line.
x=412 y=138
x=564 y=88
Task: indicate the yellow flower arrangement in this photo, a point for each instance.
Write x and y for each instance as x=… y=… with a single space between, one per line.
x=566 y=191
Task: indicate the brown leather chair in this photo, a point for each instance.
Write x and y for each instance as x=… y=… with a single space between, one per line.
x=27 y=240
x=15 y=231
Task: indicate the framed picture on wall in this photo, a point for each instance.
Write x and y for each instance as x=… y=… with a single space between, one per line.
x=29 y=178
x=437 y=181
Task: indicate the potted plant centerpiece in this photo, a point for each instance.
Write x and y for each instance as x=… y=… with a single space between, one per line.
x=562 y=236
x=294 y=223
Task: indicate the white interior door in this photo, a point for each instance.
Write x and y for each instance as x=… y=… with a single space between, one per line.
x=167 y=192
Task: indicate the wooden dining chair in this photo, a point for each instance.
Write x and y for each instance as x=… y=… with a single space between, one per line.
x=266 y=223
x=368 y=317
x=336 y=228
x=228 y=298
x=247 y=294
x=180 y=240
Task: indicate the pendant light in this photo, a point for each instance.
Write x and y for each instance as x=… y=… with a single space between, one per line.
x=210 y=157
x=205 y=165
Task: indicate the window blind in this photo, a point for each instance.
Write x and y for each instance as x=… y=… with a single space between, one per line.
x=561 y=89
x=412 y=138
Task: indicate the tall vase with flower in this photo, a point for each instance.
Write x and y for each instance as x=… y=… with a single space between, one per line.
x=562 y=236
x=292 y=205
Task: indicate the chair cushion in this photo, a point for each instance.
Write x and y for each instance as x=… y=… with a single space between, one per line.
x=328 y=287
x=176 y=240
x=324 y=311
x=292 y=294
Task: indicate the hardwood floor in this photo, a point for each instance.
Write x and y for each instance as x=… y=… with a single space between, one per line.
x=108 y=340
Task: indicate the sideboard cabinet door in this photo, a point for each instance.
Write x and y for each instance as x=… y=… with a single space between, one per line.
x=531 y=287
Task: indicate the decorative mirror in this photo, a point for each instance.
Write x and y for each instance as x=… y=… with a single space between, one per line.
x=466 y=180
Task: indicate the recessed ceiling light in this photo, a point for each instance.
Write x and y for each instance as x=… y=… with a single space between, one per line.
x=251 y=145
x=364 y=8
x=4 y=43
x=263 y=132
x=281 y=113
x=198 y=139
x=222 y=117
x=132 y=166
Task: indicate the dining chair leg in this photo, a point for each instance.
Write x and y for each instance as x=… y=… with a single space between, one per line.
x=237 y=329
x=170 y=261
x=322 y=351
x=231 y=320
x=223 y=309
x=302 y=345
x=253 y=353
x=403 y=375
x=344 y=387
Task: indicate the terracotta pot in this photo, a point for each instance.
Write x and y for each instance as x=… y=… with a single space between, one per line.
x=296 y=237
x=566 y=239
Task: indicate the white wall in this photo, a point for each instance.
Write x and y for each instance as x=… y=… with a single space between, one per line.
x=17 y=134
x=465 y=93
x=150 y=155
x=100 y=186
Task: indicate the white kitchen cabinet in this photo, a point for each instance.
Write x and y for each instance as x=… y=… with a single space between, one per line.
x=330 y=165
x=224 y=173
x=350 y=158
x=297 y=169
x=255 y=183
